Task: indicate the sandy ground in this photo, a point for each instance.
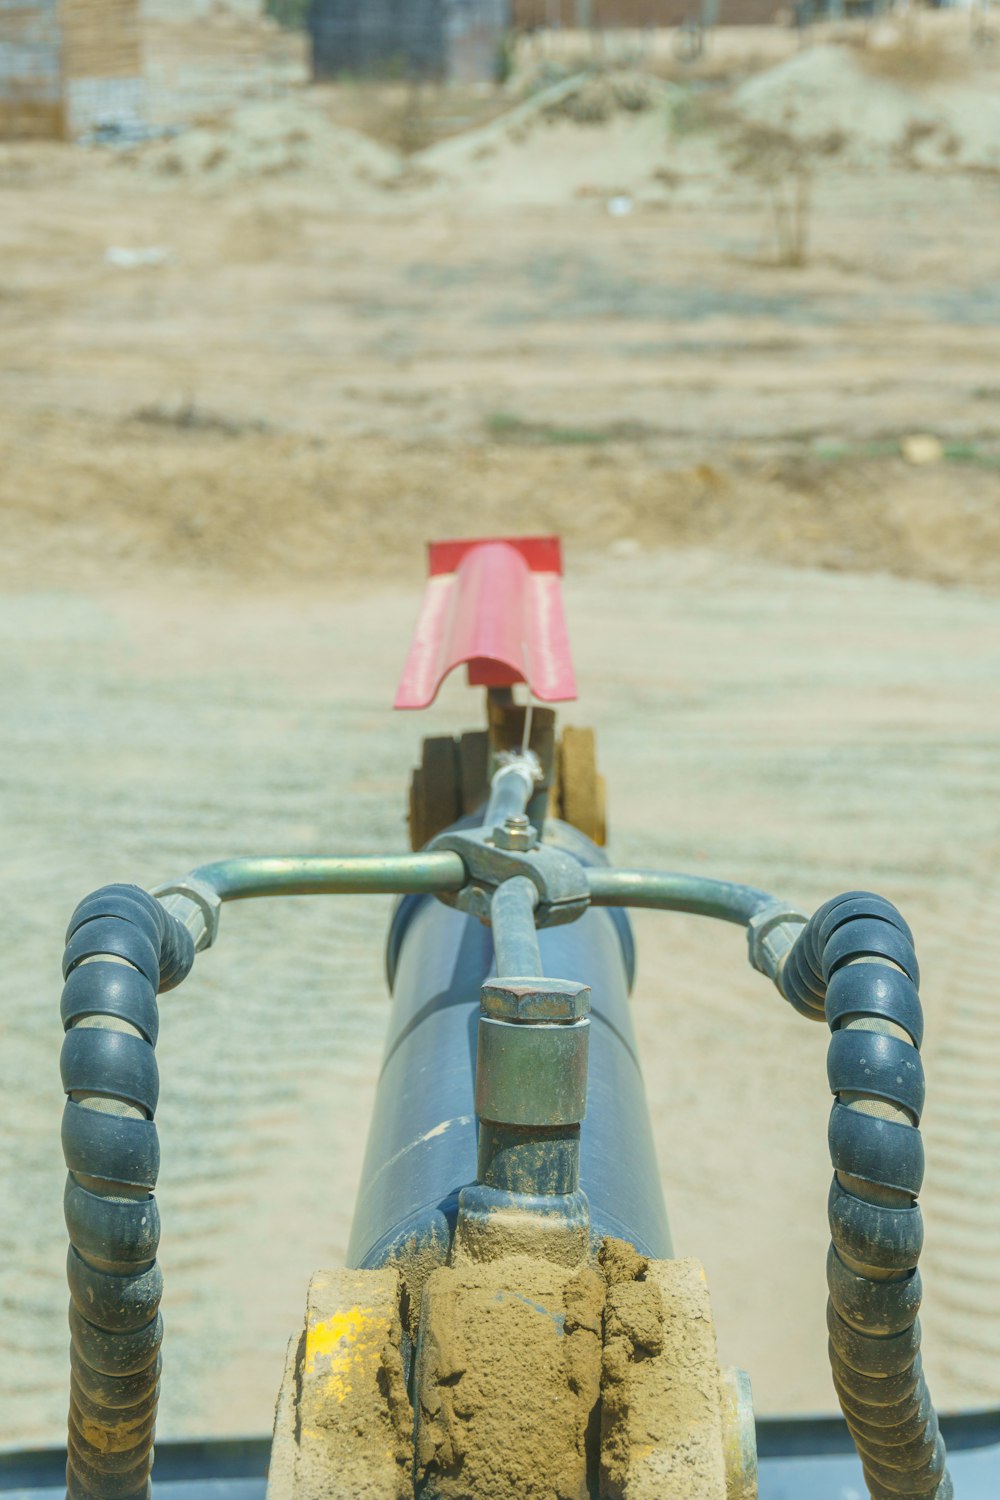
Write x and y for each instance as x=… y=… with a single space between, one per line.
x=217 y=466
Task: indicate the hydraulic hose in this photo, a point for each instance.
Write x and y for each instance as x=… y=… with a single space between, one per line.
x=854 y=964
x=122 y=947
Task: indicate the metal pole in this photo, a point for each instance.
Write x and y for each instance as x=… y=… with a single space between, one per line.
x=359 y=875
x=511 y=790
x=196 y=899
x=515 y=941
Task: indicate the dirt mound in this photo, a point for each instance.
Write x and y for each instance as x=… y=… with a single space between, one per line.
x=591 y=135
x=272 y=139
x=271 y=505
x=833 y=90
x=489 y=1333
x=597 y=97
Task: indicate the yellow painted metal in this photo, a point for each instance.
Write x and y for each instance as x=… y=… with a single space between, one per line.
x=343 y=1423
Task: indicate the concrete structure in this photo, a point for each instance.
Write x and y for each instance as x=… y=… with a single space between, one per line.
x=638 y=14
x=453 y=40
x=30 y=69
x=68 y=66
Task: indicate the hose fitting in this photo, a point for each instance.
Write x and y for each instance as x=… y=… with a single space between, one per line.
x=122 y=947
x=854 y=965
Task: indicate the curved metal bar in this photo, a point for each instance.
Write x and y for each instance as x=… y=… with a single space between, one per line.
x=672 y=892
x=358 y=875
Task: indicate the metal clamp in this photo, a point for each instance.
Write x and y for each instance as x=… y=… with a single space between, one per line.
x=561 y=881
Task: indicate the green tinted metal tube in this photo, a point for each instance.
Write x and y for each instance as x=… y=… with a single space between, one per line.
x=357 y=875
x=515 y=941
x=671 y=892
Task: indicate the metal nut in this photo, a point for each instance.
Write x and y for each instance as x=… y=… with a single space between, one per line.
x=771 y=935
x=516 y=832
x=196 y=904
x=532 y=1075
x=528 y=1000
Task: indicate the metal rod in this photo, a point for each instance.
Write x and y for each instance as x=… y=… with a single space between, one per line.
x=359 y=875
x=515 y=941
x=510 y=792
x=672 y=892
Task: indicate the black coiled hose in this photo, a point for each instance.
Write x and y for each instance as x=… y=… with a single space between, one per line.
x=854 y=965
x=121 y=949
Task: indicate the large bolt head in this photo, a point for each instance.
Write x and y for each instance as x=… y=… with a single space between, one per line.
x=528 y=1000
x=516 y=833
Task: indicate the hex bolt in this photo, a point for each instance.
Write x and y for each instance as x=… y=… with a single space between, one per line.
x=516 y=832
x=528 y=1000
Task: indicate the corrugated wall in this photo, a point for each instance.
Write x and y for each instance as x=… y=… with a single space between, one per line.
x=387 y=37
x=101 y=38
x=30 y=79
x=474 y=32
x=457 y=39
x=69 y=65
x=102 y=63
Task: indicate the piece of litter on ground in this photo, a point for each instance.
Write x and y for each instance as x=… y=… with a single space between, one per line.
x=127 y=257
x=620 y=205
x=921 y=448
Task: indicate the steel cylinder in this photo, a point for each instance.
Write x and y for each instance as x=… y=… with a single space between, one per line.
x=422 y=1143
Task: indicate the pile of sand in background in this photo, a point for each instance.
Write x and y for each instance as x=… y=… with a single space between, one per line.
x=597 y=135
x=601 y=133
x=613 y=131
x=952 y=119
x=271 y=139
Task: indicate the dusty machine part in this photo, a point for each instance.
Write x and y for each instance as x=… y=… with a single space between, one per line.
x=343 y=1422
x=508 y=1381
x=515 y=726
x=580 y=796
x=531 y=1096
x=543 y=1193
x=435 y=790
x=454 y=775
x=423 y=1142
x=474 y=769
x=662 y=1417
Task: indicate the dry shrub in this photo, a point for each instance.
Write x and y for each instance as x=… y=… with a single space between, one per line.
x=784 y=165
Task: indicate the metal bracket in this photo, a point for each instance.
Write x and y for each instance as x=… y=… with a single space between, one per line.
x=561 y=881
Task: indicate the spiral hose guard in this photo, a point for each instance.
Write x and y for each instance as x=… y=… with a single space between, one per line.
x=122 y=948
x=855 y=966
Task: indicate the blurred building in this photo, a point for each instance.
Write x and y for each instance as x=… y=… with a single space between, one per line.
x=637 y=14
x=455 y=40
x=69 y=66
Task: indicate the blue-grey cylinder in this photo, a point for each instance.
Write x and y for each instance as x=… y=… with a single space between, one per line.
x=423 y=1137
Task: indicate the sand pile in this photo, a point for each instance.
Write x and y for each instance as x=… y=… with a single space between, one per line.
x=273 y=139
x=597 y=97
x=829 y=91
x=592 y=135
